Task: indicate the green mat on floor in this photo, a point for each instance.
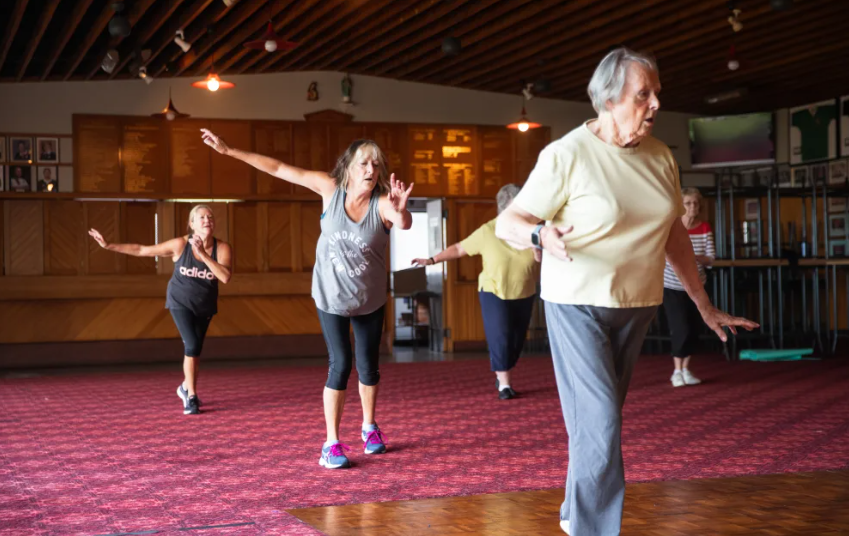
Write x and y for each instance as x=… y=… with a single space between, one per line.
x=790 y=354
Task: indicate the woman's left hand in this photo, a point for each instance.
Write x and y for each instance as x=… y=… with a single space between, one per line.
x=716 y=320
x=398 y=194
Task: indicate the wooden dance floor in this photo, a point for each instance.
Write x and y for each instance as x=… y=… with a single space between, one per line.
x=794 y=503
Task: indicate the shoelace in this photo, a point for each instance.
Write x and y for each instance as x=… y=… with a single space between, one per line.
x=338 y=448
x=375 y=437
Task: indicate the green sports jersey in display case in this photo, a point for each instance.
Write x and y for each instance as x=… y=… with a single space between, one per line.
x=813 y=132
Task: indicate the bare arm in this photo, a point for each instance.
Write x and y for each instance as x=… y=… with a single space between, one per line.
x=450 y=253
x=679 y=254
x=317 y=181
x=169 y=248
x=221 y=267
x=515 y=226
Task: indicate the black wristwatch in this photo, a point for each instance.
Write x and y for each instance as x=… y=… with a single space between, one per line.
x=536 y=240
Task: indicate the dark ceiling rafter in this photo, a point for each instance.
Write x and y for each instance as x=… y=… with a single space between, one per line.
x=304 y=30
x=80 y=9
x=136 y=10
x=91 y=36
x=311 y=46
x=200 y=17
x=44 y=19
x=139 y=39
x=12 y=29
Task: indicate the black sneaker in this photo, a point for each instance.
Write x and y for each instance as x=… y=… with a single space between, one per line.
x=505 y=394
x=191 y=407
x=184 y=395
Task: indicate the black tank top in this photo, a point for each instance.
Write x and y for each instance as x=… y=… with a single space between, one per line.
x=193 y=286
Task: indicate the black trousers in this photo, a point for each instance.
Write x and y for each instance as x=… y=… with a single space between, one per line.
x=192 y=330
x=505 y=323
x=368 y=330
x=685 y=322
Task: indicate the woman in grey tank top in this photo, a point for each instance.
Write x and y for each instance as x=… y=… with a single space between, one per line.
x=361 y=203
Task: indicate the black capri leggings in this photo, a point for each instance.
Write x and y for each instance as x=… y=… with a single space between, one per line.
x=192 y=330
x=337 y=334
x=685 y=322
x=505 y=324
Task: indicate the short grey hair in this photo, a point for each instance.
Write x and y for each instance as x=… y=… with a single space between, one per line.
x=505 y=196
x=694 y=192
x=609 y=77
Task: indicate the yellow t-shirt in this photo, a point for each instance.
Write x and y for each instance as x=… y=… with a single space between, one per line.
x=507 y=272
x=622 y=203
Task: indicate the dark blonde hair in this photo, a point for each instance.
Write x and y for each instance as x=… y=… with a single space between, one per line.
x=341 y=170
x=194 y=212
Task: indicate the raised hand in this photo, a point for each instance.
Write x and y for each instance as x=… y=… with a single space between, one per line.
x=197 y=244
x=716 y=320
x=552 y=241
x=94 y=233
x=212 y=139
x=398 y=194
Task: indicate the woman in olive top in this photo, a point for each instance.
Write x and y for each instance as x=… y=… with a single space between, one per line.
x=507 y=287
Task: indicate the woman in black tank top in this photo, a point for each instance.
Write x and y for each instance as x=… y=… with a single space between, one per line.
x=200 y=262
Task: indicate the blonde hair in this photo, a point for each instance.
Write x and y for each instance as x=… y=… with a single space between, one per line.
x=693 y=192
x=341 y=171
x=193 y=213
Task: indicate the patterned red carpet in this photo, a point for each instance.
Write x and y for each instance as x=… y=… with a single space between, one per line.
x=112 y=453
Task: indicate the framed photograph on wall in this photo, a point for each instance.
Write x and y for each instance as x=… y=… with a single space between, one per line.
x=2 y=149
x=837 y=171
x=837 y=226
x=47 y=179
x=813 y=132
x=783 y=177
x=844 y=126
x=819 y=173
x=20 y=149
x=750 y=208
x=836 y=205
x=20 y=179
x=47 y=150
x=800 y=176
x=837 y=248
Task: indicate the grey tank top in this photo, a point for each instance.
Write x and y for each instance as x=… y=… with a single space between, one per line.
x=349 y=278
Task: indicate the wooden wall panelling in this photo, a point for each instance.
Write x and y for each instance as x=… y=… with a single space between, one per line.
x=460 y=160
x=424 y=154
x=3 y=240
x=138 y=222
x=468 y=324
x=24 y=242
x=97 y=146
x=190 y=158
x=470 y=216
x=280 y=237
x=528 y=146
x=144 y=155
x=105 y=217
x=231 y=176
x=262 y=236
x=246 y=242
x=449 y=305
x=496 y=156
x=319 y=143
x=274 y=139
x=167 y=229
x=392 y=140
x=341 y=136
x=64 y=237
x=302 y=153
x=309 y=232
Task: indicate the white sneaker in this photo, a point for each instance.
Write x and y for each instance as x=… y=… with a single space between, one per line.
x=689 y=379
x=678 y=379
x=564 y=524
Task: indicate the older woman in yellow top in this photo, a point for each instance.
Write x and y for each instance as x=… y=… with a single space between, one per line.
x=507 y=288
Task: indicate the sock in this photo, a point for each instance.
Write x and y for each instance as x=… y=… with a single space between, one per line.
x=370 y=427
x=329 y=443
x=684 y=369
x=503 y=387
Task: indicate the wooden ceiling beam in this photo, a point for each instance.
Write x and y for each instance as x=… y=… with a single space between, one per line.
x=164 y=11
x=525 y=20
x=12 y=29
x=281 y=27
x=35 y=39
x=411 y=44
x=305 y=31
x=136 y=12
x=282 y=62
x=383 y=23
x=91 y=35
x=65 y=34
x=585 y=42
x=194 y=22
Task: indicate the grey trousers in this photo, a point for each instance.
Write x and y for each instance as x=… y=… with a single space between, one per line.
x=594 y=351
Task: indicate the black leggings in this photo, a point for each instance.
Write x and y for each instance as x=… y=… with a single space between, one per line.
x=337 y=334
x=192 y=330
x=685 y=322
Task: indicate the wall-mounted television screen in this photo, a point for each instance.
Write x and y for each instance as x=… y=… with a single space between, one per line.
x=732 y=140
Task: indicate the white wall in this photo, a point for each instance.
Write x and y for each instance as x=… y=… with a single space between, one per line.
x=47 y=107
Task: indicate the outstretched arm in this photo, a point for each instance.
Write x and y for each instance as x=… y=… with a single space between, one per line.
x=317 y=181
x=450 y=253
x=169 y=248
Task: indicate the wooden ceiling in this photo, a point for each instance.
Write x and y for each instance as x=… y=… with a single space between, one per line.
x=786 y=58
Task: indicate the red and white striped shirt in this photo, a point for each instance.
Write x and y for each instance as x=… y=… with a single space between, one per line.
x=702 y=238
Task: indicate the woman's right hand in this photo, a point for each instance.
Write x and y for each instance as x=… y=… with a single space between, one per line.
x=552 y=241
x=94 y=233
x=212 y=139
x=421 y=262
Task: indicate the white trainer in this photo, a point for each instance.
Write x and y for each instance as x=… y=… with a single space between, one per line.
x=678 y=379
x=689 y=379
x=564 y=525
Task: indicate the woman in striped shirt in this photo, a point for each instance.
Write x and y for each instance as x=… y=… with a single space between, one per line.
x=684 y=319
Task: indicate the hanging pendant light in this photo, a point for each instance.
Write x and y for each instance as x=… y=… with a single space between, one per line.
x=170 y=112
x=270 y=41
x=213 y=82
x=523 y=124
